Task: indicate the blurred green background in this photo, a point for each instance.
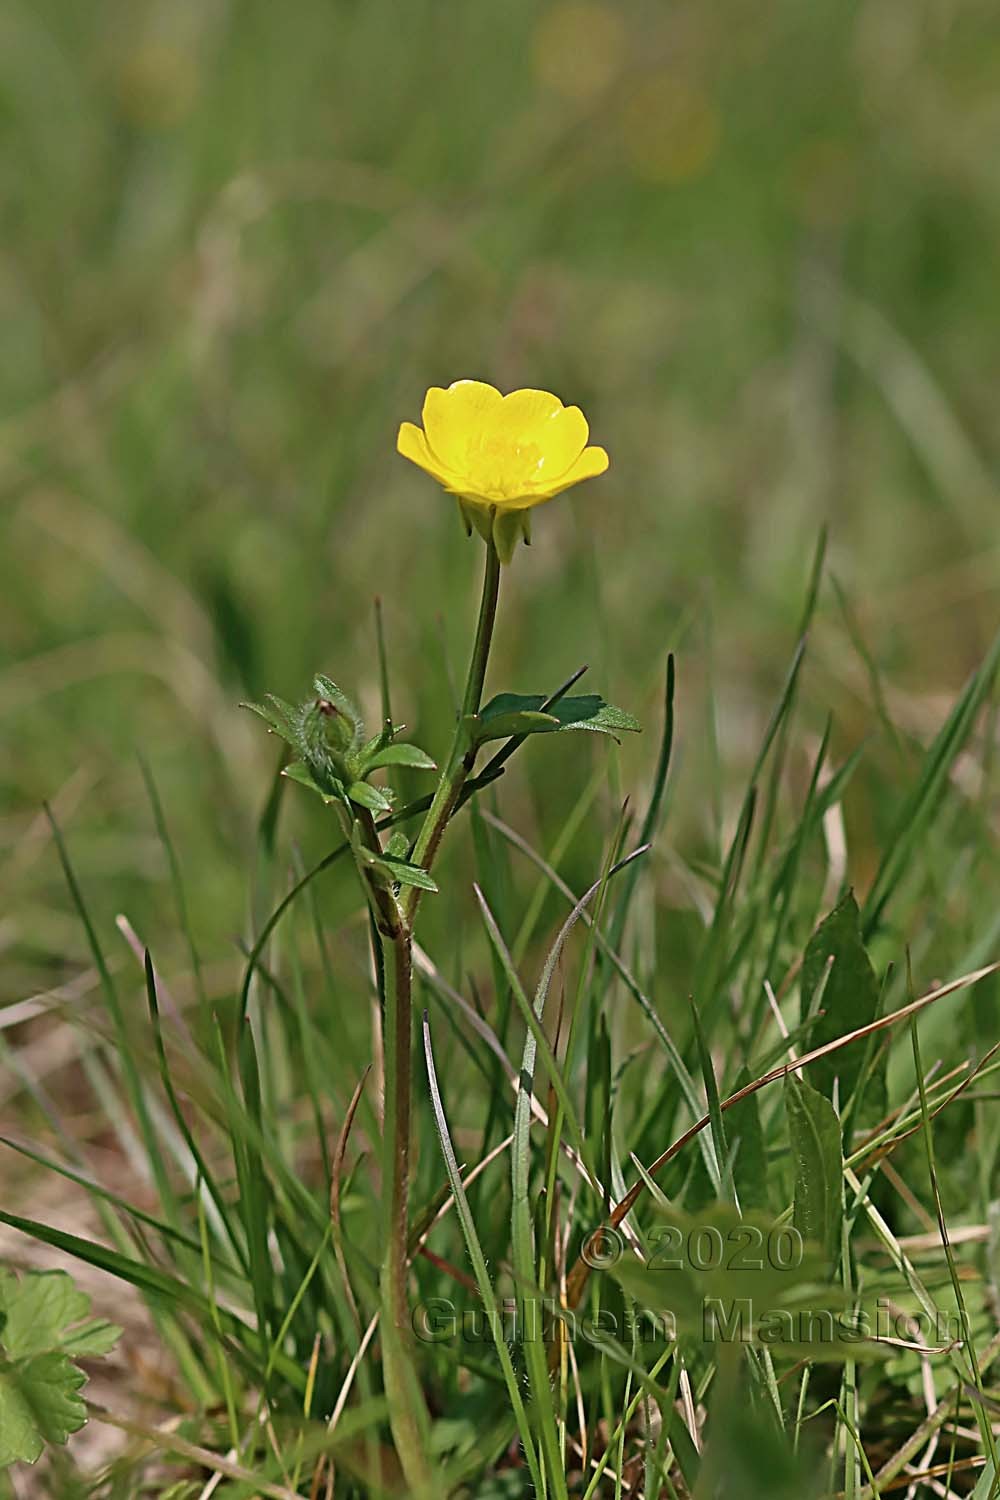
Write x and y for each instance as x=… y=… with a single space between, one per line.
x=757 y=245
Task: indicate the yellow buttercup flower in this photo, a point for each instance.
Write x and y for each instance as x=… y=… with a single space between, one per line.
x=500 y=455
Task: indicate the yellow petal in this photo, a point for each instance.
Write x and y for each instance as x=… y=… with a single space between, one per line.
x=592 y=461
x=564 y=440
x=525 y=414
x=412 y=444
x=457 y=416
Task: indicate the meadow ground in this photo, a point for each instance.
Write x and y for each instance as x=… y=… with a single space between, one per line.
x=240 y=241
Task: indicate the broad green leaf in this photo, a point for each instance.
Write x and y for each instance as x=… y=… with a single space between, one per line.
x=819 y=1180
x=400 y=755
x=161 y=1284
x=672 y=1293
x=849 y=998
x=372 y=797
x=36 y=1311
x=747 y=1137
x=405 y=873
x=43 y=1311
x=43 y=1322
x=39 y=1404
x=391 y=869
x=525 y=713
x=95 y=1338
x=724 y=1276
x=504 y=726
x=753 y=1458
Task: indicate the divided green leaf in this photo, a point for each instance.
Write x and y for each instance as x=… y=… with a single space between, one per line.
x=44 y=1325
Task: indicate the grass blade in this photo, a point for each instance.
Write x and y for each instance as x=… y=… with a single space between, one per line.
x=478 y=1261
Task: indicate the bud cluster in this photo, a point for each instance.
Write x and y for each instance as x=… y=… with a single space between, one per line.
x=332 y=757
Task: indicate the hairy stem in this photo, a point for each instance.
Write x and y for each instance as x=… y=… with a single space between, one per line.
x=407 y=1407
x=460 y=759
x=392 y=948
x=394 y=918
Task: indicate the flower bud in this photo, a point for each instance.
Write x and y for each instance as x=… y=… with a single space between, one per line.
x=338 y=728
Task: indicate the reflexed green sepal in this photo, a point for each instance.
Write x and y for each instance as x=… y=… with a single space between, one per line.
x=507 y=532
x=502 y=525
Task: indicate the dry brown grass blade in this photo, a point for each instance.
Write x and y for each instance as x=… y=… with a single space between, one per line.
x=162 y=1440
x=882 y=1152
x=447 y=1268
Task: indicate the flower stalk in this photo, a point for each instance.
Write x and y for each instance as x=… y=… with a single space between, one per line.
x=394 y=921
x=407 y=1408
x=460 y=757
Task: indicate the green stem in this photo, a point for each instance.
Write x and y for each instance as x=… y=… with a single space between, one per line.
x=460 y=759
x=484 y=635
x=393 y=953
x=408 y=1415
x=407 y=1408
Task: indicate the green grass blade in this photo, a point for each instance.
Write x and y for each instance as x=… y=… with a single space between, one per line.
x=919 y=807
x=478 y=1261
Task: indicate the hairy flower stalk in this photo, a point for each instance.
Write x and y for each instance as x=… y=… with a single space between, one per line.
x=407 y=1408
x=461 y=757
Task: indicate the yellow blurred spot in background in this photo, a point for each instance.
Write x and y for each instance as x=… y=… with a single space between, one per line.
x=578 y=48
x=670 y=128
